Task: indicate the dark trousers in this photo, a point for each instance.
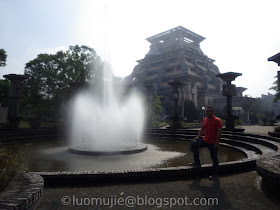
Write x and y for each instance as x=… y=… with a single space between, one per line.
x=213 y=153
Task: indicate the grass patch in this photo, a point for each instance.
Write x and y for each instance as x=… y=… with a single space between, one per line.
x=24 y=124
x=11 y=164
x=49 y=125
x=190 y=124
x=157 y=123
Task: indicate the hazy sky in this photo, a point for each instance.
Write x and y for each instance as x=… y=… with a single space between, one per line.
x=240 y=34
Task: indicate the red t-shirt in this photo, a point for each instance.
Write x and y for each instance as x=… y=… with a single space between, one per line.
x=210 y=129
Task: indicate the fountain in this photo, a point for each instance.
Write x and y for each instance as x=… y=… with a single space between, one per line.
x=103 y=129
x=101 y=124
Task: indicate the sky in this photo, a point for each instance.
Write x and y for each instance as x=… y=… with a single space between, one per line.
x=240 y=35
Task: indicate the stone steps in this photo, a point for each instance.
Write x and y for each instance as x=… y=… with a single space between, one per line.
x=29 y=135
x=255 y=145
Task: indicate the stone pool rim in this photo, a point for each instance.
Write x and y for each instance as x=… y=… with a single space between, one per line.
x=154 y=174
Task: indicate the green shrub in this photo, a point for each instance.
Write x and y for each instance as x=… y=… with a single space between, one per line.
x=10 y=165
x=277 y=129
x=51 y=124
x=24 y=124
x=175 y=124
x=191 y=124
x=157 y=123
x=237 y=122
x=268 y=121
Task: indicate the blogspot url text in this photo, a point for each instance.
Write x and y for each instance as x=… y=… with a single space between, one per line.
x=134 y=201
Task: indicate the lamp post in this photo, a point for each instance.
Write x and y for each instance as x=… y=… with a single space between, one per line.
x=203 y=110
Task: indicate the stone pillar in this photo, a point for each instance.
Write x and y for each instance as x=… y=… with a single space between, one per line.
x=229 y=91
x=176 y=86
x=176 y=98
x=15 y=92
x=182 y=103
x=246 y=116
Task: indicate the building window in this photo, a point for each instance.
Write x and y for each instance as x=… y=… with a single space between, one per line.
x=200 y=63
x=192 y=69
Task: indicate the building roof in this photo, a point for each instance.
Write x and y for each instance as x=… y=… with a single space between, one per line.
x=275 y=58
x=178 y=32
x=241 y=89
x=229 y=76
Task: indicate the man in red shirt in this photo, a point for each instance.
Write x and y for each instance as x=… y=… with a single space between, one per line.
x=212 y=130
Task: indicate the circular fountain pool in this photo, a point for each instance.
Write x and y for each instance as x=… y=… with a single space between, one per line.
x=54 y=156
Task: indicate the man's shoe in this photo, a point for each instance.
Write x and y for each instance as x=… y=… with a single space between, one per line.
x=195 y=165
x=213 y=177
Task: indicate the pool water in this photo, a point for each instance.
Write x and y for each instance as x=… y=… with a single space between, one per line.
x=54 y=156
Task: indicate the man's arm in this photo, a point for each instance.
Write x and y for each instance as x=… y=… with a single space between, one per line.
x=200 y=133
x=219 y=133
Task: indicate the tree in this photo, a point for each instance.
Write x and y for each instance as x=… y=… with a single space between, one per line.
x=190 y=112
x=277 y=89
x=53 y=78
x=3 y=57
x=257 y=112
x=156 y=107
x=50 y=76
x=4 y=89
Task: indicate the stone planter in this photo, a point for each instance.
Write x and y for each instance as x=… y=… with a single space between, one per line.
x=24 y=192
x=268 y=168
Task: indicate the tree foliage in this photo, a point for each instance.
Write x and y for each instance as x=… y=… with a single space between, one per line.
x=52 y=78
x=257 y=112
x=276 y=89
x=49 y=76
x=190 y=111
x=3 y=57
x=4 y=89
x=156 y=107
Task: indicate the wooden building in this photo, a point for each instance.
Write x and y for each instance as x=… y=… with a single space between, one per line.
x=175 y=56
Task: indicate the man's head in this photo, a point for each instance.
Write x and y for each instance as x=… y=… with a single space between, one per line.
x=209 y=111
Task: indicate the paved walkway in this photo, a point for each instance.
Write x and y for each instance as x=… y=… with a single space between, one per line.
x=240 y=191
x=256 y=129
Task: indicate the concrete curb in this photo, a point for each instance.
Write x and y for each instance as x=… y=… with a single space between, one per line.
x=146 y=175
